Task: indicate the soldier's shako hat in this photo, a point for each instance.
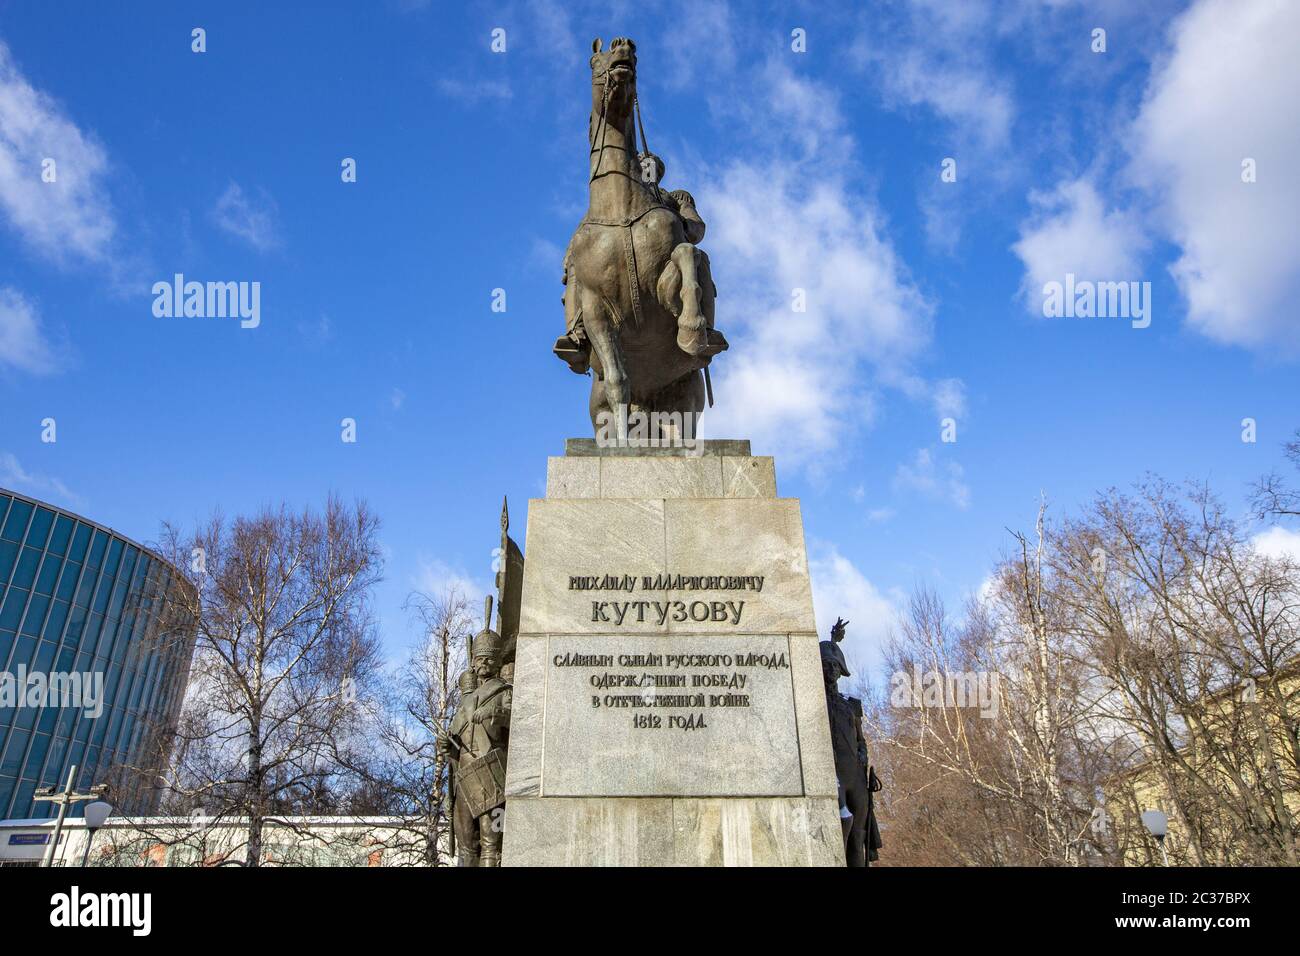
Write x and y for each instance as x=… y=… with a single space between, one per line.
x=831 y=652
x=486 y=643
x=467 y=682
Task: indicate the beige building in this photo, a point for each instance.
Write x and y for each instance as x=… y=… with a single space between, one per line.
x=207 y=841
x=1235 y=775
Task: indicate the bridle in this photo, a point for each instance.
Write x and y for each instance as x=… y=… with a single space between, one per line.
x=602 y=127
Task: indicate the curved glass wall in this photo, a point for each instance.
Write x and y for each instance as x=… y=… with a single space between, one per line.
x=93 y=662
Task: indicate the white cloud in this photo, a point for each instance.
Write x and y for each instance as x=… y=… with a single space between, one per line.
x=469 y=93
x=949 y=396
x=553 y=34
x=1278 y=542
x=840 y=589
x=23 y=344
x=17 y=478
x=794 y=382
x=938 y=57
x=787 y=228
x=933 y=57
x=1228 y=91
x=797 y=111
x=1070 y=230
x=436 y=576
x=941 y=481
x=69 y=218
x=959 y=92
x=252 y=220
x=397 y=398
x=547 y=257
x=698 y=25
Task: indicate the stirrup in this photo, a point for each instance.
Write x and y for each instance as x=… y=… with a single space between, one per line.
x=577 y=357
x=701 y=343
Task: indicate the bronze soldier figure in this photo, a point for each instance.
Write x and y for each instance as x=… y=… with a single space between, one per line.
x=850 y=749
x=464 y=825
x=476 y=743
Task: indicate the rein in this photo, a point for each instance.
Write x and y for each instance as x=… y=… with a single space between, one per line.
x=598 y=149
x=603 y=126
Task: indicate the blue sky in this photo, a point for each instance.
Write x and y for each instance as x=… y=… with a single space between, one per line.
x=817 y=170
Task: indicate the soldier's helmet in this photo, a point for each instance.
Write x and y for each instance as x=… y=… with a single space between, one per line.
x=831 y=652
x=467 y=682
x=486 y=643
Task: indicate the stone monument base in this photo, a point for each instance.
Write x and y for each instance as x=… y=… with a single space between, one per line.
x=668 y=703
x=673 y=831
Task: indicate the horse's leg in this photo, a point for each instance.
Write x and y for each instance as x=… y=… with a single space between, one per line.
x=598 y=403
x=708 y=291
x=668 y=289
x=691 y=334
x=677 y=406
x=604 y=339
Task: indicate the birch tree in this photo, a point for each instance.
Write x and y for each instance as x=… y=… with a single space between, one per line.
x=417 y=703
x=285 y=651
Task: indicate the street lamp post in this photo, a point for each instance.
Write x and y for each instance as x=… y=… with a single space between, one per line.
x=95 y=813
x=1158 y=824
x=64 y=798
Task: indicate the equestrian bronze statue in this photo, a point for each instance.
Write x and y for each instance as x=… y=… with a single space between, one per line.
x=638 y=296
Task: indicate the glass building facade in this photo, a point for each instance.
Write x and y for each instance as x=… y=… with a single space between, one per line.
x=82 y=607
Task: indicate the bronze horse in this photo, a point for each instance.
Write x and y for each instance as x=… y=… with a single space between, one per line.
x=639 y=296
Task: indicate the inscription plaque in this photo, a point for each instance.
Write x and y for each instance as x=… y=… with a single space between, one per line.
x=645 y=715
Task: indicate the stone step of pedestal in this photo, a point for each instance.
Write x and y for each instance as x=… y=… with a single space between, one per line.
x=710 y=475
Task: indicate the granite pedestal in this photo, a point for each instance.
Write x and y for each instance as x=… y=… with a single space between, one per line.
x=668 y=704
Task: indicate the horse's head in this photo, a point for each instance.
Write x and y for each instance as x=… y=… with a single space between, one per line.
x=613 y=80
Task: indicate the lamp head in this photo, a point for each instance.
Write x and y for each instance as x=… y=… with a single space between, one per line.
x=1156 y=822
x=96 y=813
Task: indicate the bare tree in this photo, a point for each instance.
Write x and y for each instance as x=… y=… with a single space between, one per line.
x=403 y=767
x=1147 y=656
x=1273 y=497
x=285 y=651
x=1194 y=637
x=997 y=777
